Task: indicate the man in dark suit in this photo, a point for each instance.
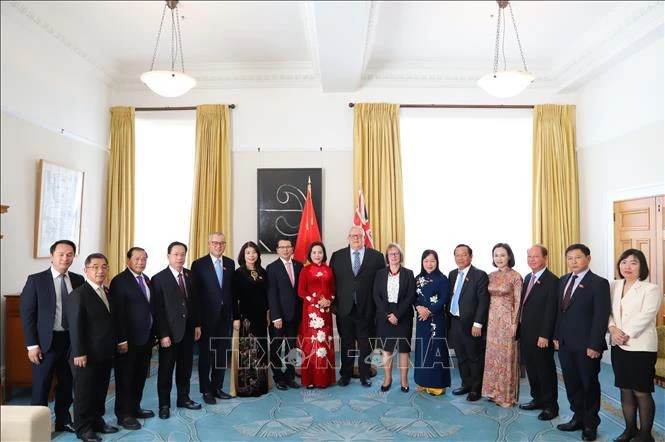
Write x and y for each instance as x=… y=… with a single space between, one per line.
x=285 y=312
x=213 y=274
x=47 y=341
x=134 y=319
x=176 y=306
x=355 y=267
x=89 y=317
x=584 y=310
x=536 y=330
x=469 y=304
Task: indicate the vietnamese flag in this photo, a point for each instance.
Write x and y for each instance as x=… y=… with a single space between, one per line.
x=309 y=228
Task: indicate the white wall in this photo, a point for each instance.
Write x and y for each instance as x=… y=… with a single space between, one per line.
x=620 y=145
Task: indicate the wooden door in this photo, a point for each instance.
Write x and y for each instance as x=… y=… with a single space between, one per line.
x=639 y=224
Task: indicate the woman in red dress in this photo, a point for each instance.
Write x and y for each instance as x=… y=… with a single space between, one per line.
x=316 y=286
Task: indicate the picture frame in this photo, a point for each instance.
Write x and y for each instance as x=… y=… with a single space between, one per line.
x=59 y=207
x=281 y=195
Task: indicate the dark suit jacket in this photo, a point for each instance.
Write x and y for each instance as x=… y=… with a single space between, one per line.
x=174 y=311
x=406 y=296
x=38 y=307
x=90 y=323
x=583 y=323
x=133 y=313
x=474 y=299
x=362 y=284
x=540 y=309
x=211 y=295
x=283 y=299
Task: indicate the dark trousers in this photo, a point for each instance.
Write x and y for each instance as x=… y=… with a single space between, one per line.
x=214 y=344
x=90 y=386
x=580 y=375
x=288 y=336
x=354 y=329
x=131 y=370
x=541 y=371
x=179 y=356
x=470 y=354
x=55 y=361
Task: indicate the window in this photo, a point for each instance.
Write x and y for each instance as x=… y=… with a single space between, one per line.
x=467 y=179
x=165 y=143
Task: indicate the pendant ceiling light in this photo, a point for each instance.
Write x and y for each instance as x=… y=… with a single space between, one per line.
x=505 y=83
x=169 y=83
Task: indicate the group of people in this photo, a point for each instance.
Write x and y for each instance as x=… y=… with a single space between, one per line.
x=282 y=314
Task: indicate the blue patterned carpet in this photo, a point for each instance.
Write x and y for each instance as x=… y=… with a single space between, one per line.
x=355 y=413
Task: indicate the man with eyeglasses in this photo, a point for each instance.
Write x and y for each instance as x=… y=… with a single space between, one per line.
x=89 y=316
x=130 y=294
x=212 y=275
x=175 y=302
x=46 y=339
x=355 y=267
x=285 y=312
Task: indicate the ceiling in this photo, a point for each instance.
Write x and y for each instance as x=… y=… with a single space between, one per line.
x=345 y=45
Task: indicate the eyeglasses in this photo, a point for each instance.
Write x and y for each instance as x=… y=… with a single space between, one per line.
x=393 y=254
x=355 y=236
x=218 y=243
x=284 y=247
x=96 y=268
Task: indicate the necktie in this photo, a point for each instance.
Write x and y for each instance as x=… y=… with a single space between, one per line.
x=289 y=270
x=218 y=270
x=102 y=296
x=356 y=263
x=181 y=284
x=63 y=292
x=454 y=305
x=139 y=279
x=569 y=292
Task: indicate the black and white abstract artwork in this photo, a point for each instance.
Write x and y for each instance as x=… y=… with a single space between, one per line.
x=281 y=197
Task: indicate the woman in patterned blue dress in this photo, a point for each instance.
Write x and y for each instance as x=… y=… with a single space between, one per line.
x=432 y=363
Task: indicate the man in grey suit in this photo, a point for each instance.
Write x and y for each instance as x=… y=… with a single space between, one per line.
x=354 y=268
x=469 y=304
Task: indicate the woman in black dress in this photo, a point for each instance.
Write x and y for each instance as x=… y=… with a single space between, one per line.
x=250 y=317
x=394 y=294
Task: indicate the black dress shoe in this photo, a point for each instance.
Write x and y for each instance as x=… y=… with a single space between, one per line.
x=209 y=398
x=460 y=391
x=529 y=406
x=107 y=429
x=404 y=389
x=164 y=412
x=310 y=387
x=472 y=396
x=547 y=414
x=343 y=381
x=67 y=428
x=189 y=404
x=129 y=423
x=386 y=387
x=144 y=414
x=626 y=436
x=572 y=425
x=281 y=385
x=366 y=383
x=221 y=394
x=90 y=436
x=293 y=384
x=589 y=434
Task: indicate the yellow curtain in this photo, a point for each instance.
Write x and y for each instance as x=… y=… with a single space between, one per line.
x=377 y=168
x=211 y=202
x=556 y=218
x=120 y=189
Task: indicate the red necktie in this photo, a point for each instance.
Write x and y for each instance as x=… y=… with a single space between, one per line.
x=569 y=292
x=181 y=284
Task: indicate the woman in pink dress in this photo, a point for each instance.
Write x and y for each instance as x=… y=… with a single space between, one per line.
x=501 y=380
x=316 y=286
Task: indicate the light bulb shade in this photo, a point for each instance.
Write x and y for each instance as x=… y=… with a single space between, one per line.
x=505 y=84
x=168 y=83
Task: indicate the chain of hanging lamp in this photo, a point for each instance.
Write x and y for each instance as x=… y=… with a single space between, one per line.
x=176 y=38
x=501 y=36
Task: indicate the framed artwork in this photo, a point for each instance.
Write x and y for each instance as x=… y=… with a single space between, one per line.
x=59 y=203
x=281 y=196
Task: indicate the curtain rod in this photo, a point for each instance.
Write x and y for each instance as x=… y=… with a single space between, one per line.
x=180 y=108
x=463 y=106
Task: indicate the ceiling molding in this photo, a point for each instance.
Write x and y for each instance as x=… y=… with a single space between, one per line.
x=309 y=24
